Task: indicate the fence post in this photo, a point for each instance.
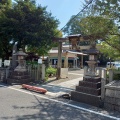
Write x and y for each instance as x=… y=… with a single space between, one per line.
x=102 y=88
x=103 y=83
x=85 y=70
x=105 y=74
x=38 y=72
x=110 y=75
x=7 y=73
x=100 y=72
x=43 y=71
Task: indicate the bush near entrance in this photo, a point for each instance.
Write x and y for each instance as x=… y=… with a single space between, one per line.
x=50 y=71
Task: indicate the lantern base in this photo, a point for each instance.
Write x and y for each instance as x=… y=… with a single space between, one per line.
x=20 y=69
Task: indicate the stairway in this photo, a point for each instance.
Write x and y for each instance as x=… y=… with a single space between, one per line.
x=88 y=91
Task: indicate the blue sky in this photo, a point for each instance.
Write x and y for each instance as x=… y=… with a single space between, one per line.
x=62 y=9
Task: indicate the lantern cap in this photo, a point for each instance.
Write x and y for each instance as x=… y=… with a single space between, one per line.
x=20 y=53
x=92 y=52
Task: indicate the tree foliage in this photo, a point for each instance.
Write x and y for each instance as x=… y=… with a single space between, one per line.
x=43 y=50
x=5 y=46
x=110 y=9
x=97 y=26
x=100 y=20
x=26 y=24
x=73 y=26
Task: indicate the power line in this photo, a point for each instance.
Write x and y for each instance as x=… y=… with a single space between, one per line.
x=75 y=16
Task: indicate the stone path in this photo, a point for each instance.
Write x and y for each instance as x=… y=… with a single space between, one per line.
x=62 y=86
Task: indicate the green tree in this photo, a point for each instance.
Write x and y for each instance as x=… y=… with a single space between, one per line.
x=5 y=37
x=5 y=4
x=109 y=9
x=43 y=50
x=28 y=24
x=73 y=26
x=100 y=21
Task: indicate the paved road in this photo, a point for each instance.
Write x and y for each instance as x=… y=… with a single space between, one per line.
x=19 y=104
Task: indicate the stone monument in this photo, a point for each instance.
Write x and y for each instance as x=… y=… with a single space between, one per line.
x=20 y=74
x=89 y=90
x=21 y=62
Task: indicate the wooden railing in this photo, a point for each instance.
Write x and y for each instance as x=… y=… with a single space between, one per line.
x=37 y=71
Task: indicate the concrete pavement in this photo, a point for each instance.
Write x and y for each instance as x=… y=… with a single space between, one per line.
x=56 y=88
x=20 y=104
x=63 y=86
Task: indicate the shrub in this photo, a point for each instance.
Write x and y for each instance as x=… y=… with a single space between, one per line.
x=51 y=71
x=116 y=76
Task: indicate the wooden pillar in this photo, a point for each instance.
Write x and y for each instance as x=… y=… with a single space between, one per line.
x=59 y=60
x=81 y=61
x=76 y=63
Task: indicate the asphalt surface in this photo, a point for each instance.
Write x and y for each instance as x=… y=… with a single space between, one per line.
x=19 y=104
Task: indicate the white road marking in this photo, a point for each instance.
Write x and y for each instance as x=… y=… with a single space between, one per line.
x=70 y=105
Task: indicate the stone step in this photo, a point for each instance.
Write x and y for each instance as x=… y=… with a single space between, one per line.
x=86 y=98
x=90 y=84
x=19 y=77
x=92 y=79
x=22 y=81
x=88 y=90
x=19 y=73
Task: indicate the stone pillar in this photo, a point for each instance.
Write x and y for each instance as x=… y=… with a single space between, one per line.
x=7 y=72
x=100 y=72
x=43 y=71
x=85 y=70
x=59 y=60
x=105 y=74
x=103 y=83
x=103 y=88
x=0 y=62
x=110 y=75
x=14 y=57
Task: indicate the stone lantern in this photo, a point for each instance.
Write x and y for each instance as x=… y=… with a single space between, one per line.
x=90 y=87
x=92 y=62
x=21 y=62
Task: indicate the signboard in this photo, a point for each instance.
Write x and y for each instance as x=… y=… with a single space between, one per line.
x=40 y=61
x=6 y=62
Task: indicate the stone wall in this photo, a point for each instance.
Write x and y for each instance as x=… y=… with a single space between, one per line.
x=112 y=96
x=2 y=74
